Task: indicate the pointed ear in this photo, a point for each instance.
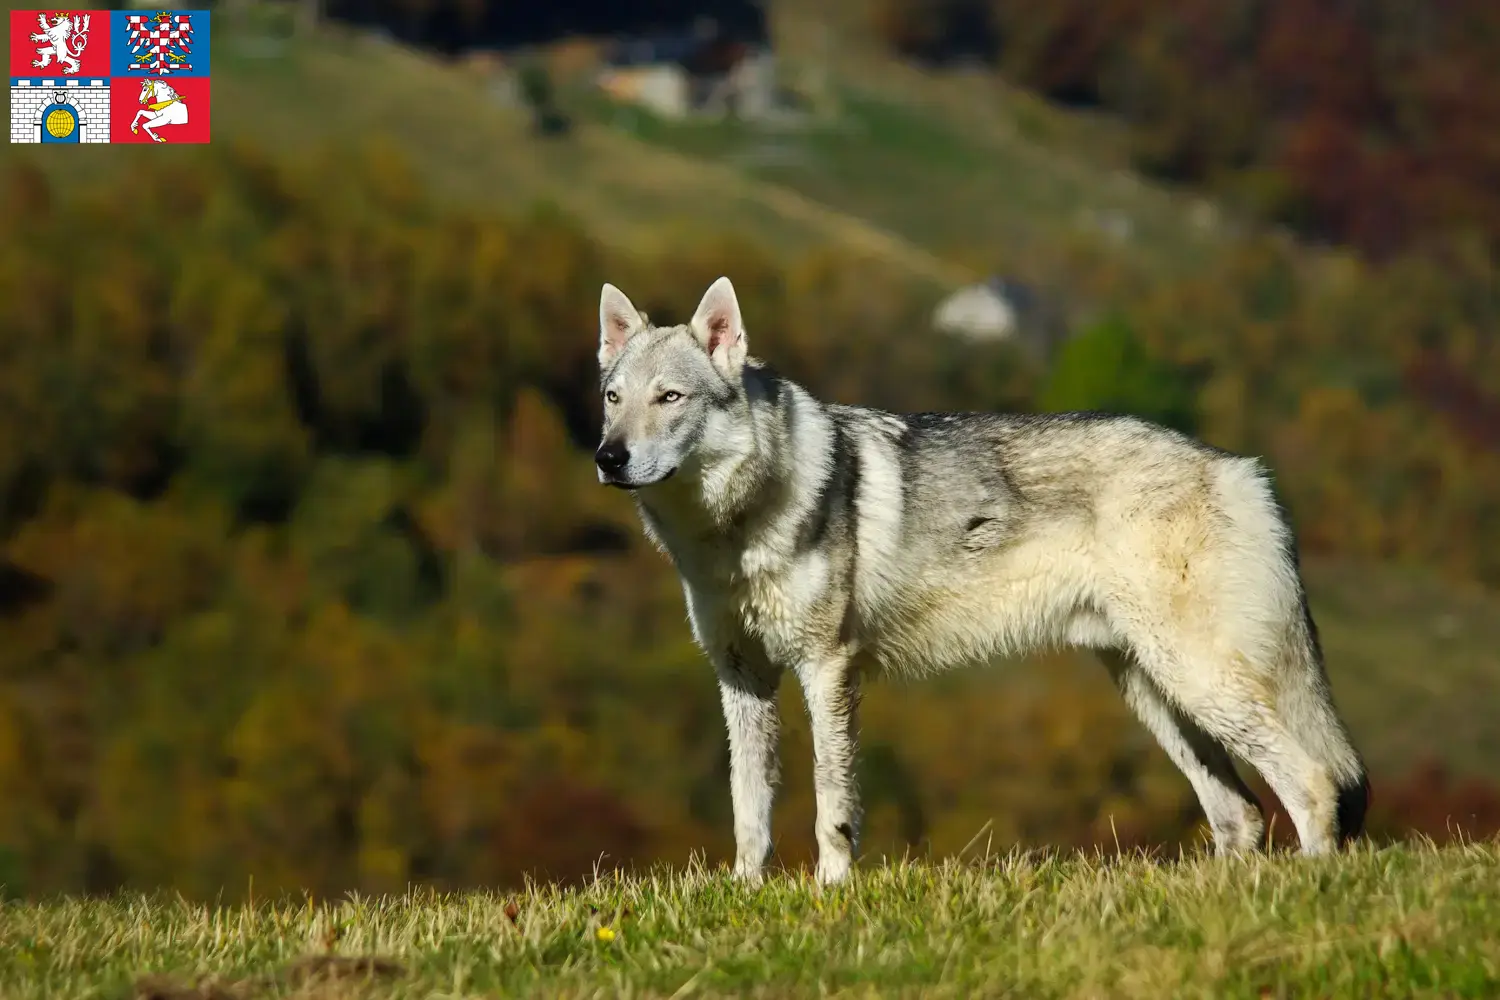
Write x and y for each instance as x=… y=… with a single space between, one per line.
x=720 y=328
x=619 y=320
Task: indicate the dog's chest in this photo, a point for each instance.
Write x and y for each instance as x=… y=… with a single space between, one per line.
x=777 y=597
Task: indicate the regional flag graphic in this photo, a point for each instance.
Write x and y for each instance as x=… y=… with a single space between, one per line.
x=110 y=76
x=59 y=76
x=167 y=44
x=159 y=109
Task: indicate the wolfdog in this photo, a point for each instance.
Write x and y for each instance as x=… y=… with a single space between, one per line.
x=827 y=539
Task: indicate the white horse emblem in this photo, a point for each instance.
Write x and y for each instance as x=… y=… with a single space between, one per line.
x=68 y=34
x=164 y=106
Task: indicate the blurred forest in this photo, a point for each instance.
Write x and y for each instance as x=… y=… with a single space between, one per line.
x=305 y=576
x=1366 y=122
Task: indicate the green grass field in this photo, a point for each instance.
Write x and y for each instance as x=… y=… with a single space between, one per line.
x=1402 y=921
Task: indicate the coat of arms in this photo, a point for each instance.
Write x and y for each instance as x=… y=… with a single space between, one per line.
x=66 y=36
x=159 y=43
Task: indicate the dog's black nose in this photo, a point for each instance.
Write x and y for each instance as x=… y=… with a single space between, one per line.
x=611 y=456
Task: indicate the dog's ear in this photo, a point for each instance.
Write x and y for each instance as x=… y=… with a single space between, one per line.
x=619 y=320
x=720 y=328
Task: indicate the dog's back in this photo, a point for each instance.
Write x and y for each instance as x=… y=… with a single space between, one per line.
x=982 y=534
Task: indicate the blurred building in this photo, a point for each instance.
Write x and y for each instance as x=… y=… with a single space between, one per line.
x=707 y=70
x=1001 y=308
x=978 y=312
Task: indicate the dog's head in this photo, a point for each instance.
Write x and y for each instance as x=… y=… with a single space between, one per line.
x=669 y=392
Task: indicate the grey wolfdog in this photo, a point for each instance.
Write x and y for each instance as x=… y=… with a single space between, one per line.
x=821 y=539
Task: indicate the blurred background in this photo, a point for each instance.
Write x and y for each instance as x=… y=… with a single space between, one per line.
x=305 y=579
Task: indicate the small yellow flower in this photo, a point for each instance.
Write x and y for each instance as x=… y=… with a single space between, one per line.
x=606 y=933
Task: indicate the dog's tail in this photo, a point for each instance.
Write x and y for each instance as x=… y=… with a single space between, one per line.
x=1306 y=703
x=1304 y=697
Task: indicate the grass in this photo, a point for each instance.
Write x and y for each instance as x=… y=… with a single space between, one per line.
x=1407 y=920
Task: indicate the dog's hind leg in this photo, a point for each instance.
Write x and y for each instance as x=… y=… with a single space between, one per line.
x=1239 y=651
x=1262 y=693
x=1233 y=813
x=1236 y=704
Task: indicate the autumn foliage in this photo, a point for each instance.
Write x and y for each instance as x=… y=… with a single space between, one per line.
x=1363 y=123
x=305 y=577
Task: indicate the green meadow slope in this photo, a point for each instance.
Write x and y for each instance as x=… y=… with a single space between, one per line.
x=956 y=162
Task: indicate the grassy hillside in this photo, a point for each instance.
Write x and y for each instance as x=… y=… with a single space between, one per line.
x=475 y=147
x=954 y=162
x=1404 y=922
x=935 y=181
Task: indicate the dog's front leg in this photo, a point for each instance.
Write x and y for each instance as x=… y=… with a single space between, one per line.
x=831 y=691
x=748 y=692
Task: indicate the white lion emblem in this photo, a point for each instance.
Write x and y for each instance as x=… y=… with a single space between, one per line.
x=68 y=34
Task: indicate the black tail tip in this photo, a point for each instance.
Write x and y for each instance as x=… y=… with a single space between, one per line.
x=1353 y=803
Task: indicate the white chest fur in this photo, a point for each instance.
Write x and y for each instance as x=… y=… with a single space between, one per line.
x=776 y=596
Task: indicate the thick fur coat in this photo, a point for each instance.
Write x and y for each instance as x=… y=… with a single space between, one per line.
x=815 y=539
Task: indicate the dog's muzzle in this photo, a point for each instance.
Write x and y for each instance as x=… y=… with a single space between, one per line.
x=612 y=457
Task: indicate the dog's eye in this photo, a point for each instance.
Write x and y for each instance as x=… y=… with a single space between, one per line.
x=671 y=396
x=612 y=396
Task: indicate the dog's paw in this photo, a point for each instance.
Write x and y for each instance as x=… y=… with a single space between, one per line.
x=749 y=873
x=833 y=869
